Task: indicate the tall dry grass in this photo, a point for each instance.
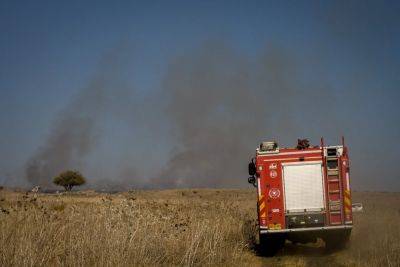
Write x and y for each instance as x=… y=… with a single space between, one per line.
x=375 y=240
x=175 y=227
x=117 y=230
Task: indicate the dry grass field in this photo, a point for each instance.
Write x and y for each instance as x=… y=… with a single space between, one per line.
x=175 y=227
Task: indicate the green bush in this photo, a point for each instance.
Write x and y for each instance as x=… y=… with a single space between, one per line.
x=69 y=179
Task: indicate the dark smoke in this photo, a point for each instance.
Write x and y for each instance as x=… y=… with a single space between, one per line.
x=222 y=103
x=214 y=106
x=76 y=132
x=70 y=142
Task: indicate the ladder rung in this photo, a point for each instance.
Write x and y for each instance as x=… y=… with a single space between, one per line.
x=336 y=223
x=334 y=202
x=333 y=180
x=334 y=191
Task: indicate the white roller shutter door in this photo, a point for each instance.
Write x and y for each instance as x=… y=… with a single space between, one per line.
x=304 y=188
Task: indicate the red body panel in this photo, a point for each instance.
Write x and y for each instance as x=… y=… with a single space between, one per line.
x=270 y=190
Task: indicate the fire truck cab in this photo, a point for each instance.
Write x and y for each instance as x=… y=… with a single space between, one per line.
x=303 y=194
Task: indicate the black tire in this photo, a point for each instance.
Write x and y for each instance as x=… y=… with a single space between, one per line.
x=337 y=240
x=270 y=244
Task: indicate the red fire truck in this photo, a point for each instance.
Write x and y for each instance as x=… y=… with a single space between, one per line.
x=303 y=194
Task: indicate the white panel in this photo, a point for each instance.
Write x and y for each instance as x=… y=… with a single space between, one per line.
x=303 y=184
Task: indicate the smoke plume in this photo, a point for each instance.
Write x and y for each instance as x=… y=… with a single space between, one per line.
x=75 y=133
x=222 y=103
x=214 y=105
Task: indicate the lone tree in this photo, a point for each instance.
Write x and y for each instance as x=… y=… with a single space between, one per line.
x=69 y=179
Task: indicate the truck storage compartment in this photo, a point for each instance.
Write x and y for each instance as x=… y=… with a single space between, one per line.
x=303 y=187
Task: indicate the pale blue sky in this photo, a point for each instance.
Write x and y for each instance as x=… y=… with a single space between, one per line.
x=50 y=50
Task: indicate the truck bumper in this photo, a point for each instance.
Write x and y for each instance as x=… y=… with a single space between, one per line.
x=265 y=230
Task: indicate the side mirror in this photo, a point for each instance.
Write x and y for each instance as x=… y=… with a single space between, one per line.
x=252 y=168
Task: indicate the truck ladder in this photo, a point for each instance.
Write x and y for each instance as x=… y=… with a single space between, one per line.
x=335 y=207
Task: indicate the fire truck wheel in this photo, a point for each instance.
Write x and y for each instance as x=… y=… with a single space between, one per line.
x=271 y=244
x=337 y=240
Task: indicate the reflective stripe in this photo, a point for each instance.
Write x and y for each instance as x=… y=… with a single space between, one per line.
x=291 y=153
x=347 y=204
x=281 y=159
x=261 y=206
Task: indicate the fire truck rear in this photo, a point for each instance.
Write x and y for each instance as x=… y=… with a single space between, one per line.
x=303 y=194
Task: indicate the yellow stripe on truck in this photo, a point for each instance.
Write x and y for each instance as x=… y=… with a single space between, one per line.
x=347 y=204
x=262 y=205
